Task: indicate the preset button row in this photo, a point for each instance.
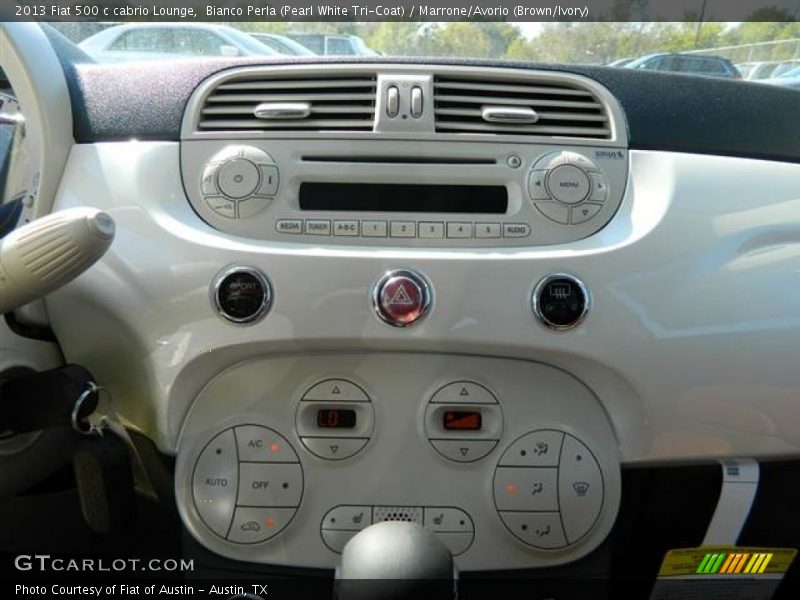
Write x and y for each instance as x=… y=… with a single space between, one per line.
x=403 y=229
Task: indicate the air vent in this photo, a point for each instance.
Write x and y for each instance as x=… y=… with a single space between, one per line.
x=518 y=107
x=299 y=103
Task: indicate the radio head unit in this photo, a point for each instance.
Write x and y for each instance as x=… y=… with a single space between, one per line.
x=442 y=177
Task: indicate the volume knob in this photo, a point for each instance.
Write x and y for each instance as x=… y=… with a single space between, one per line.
x=239 y=181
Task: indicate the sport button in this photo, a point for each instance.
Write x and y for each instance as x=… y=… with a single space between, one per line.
x=401 y=298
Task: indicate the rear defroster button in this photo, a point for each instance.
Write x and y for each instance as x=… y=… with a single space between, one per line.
x=401 y=298
x=560 y=301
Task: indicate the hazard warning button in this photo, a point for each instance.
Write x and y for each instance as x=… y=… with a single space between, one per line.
x=401 y=298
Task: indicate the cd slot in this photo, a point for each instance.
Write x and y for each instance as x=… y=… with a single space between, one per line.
x=412 y=198
x=400 y=160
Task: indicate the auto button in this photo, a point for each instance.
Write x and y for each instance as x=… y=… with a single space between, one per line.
x=215 y=480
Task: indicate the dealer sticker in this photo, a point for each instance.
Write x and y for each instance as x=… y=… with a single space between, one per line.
x=722 y=573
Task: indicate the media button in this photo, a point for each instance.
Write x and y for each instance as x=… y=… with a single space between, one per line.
x=289 y=226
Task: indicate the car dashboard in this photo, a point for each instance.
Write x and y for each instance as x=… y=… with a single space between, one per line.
x=470 y=296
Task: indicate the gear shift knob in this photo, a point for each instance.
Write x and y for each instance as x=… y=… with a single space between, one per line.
x=43 y=255
x=393 y=560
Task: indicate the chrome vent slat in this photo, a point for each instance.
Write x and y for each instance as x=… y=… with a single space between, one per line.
x=472 y=126
x=533 y=103
x=543 y=115
x=297 y=84
x=338 y=103
x=562 y=110
x=259 y=98
x=520 y=89
x=328 y=109
x=283 y=125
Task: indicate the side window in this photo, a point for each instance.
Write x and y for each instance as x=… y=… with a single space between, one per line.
x=339 y=45
x=197 y=42
x=714 y=67
x=663 y=63
x=144 y=40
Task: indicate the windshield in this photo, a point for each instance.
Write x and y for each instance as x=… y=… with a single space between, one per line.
x=755 y=51
x=248 y=42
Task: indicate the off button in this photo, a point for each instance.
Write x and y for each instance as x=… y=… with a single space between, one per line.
x=401 y=298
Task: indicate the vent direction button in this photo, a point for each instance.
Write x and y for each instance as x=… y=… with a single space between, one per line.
x=416 y=102
x=392 y=101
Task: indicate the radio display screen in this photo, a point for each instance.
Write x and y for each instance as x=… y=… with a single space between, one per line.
x=404 y=197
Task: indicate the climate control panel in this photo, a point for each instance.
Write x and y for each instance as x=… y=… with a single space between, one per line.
x=511 y=463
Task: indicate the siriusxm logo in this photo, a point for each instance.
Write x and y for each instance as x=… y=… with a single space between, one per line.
x=610 y=154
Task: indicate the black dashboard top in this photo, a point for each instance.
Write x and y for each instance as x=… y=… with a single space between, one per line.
x=669 y=112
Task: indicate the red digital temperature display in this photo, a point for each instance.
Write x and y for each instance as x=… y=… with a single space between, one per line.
x=462 y=420
x=336 y=418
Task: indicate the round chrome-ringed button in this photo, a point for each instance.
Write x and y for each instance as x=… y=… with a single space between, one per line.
x=401 y=298
x=560 y=301
x=242 y=294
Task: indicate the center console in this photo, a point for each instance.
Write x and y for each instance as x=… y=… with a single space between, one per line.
x=283 y=459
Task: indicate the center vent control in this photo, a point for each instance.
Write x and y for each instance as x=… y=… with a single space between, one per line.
x=371 y=155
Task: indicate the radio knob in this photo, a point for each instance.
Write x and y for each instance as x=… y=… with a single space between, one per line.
x=567 y=188
x=239 y=181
